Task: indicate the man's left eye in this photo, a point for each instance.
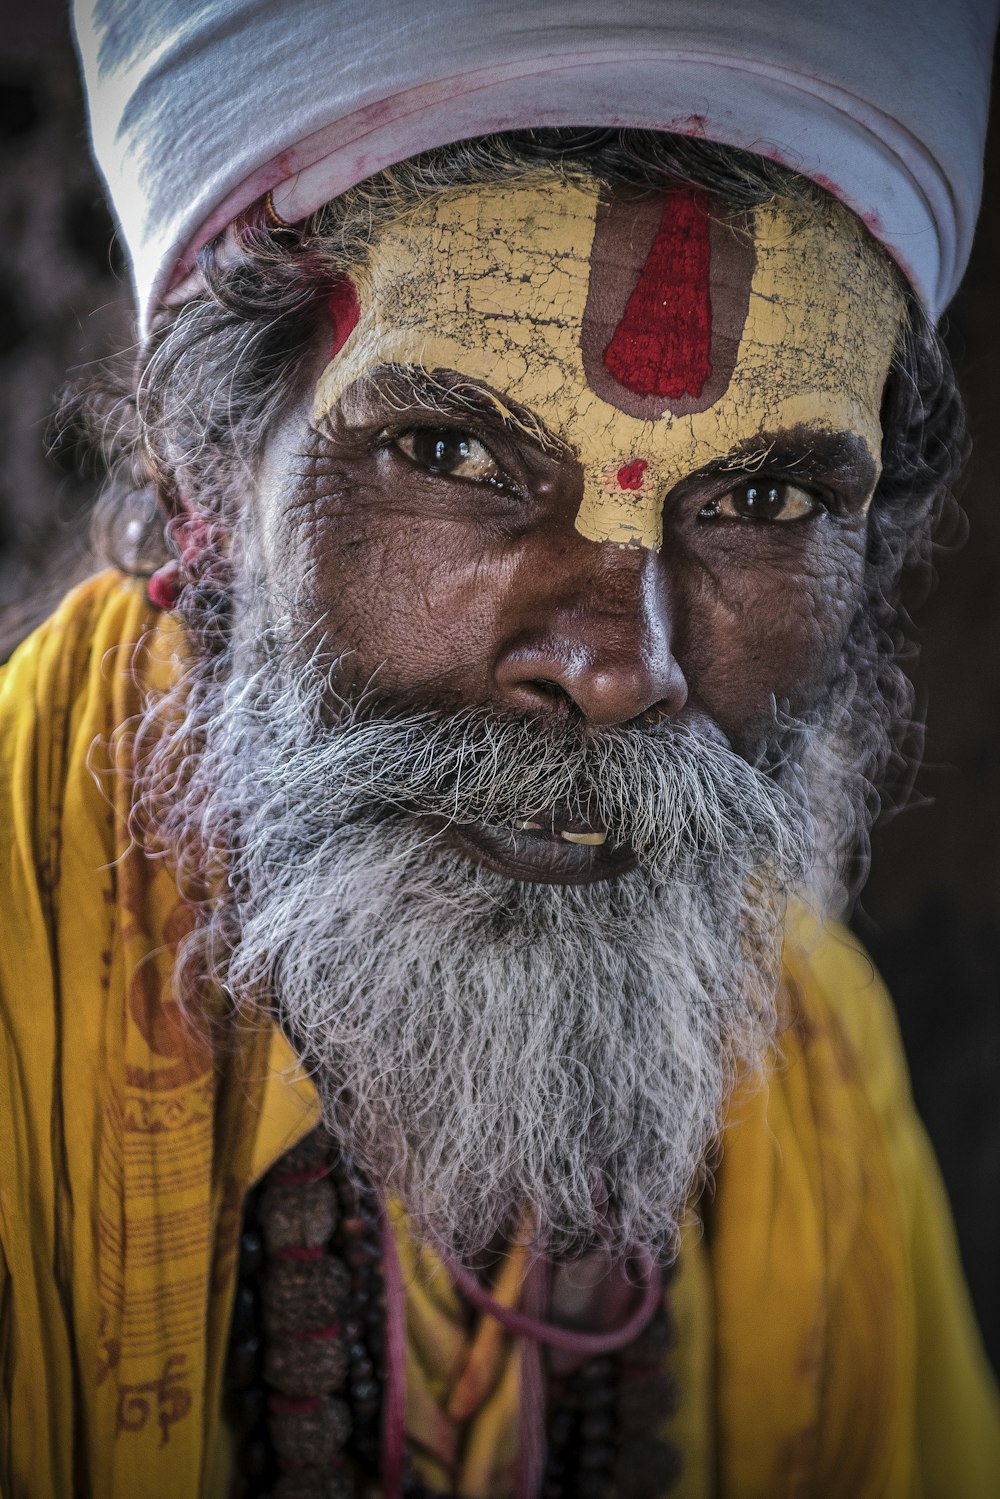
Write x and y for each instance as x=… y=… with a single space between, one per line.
x=763 y=500
x=441 y=451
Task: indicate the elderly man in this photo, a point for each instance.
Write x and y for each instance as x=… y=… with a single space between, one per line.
x=446 y=842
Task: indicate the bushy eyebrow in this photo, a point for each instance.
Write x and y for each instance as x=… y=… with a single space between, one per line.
x=409 y=389
x=808 y=453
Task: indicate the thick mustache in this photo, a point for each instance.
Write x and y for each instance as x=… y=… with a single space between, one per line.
x=665 y=791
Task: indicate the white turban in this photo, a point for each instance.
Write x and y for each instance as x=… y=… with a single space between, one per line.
x=199 y=107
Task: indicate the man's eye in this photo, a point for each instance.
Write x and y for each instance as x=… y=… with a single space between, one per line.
x=763 y=499
x=457 y=454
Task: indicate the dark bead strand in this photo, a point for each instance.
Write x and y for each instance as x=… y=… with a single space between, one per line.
x=595 y=1390
x=359 y=1243
x=562 y=1430
x=308 y=1329
x=597 y=1450
x=305 y=1290
x=245 y=1395
x=602 y=1430
x=647 y=1467
x=580 y=1451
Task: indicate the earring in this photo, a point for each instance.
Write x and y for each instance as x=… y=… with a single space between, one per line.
x=164 y=587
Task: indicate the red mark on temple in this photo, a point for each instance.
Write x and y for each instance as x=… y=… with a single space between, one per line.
x=630 y=474
x=662 y=346
x=344 y=309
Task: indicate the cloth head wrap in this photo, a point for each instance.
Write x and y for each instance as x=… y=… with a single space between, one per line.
x=199 y=107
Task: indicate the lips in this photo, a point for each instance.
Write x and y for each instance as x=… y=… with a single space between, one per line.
x=545 y=849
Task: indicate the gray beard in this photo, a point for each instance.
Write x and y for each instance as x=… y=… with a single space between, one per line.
x=488 y=1048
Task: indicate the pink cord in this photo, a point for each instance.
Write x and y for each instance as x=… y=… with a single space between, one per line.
x=394 y=1401
x=531 y=1445
x=585 y=1344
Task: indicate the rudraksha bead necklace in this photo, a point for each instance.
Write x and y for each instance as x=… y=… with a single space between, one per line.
x=307 y=1372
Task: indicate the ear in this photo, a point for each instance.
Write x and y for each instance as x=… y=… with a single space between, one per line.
x=191 y=536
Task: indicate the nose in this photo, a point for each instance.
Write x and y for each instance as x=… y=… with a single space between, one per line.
x=601 y=638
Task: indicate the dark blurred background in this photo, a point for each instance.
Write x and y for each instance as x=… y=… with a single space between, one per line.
x=931 y=912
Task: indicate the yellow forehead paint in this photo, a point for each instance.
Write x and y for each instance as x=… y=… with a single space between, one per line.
x=502 y=285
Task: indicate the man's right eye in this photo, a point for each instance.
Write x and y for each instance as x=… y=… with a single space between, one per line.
x=441 y=450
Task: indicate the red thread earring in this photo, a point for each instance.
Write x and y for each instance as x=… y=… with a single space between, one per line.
x=192 y=535
x=164 y=587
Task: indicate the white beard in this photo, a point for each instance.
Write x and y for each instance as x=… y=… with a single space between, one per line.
x=486 y=1047
x=482 y=1045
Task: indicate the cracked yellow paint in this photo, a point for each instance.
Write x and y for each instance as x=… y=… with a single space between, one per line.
x=492 y=282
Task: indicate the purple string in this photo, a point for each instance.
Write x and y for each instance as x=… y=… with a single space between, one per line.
x=584 y=1344
x=394 y=1397
x=531 y=1436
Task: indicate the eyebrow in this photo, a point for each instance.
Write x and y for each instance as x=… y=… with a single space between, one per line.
x=450 y=394
x=804 y=452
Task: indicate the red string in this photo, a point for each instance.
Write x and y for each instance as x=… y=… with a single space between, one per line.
x=298 y=1178
x=322 y=1333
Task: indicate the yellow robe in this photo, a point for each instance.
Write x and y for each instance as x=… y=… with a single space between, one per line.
x=827 y=1347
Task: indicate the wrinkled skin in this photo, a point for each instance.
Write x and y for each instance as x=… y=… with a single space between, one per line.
x=433 y=537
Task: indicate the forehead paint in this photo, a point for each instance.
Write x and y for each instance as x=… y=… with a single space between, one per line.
x=527 y=288
x=344 y=309
x=662 y=346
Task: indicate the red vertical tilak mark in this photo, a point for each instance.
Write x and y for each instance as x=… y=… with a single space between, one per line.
x=662 y=346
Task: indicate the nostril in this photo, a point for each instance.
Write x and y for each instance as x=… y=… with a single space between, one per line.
x=549 y=693
x=661 y=712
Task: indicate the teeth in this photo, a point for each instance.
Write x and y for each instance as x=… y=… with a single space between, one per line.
x=590 y=840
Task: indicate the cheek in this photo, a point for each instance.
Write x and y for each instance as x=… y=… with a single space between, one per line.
x=409 y=601
x=761 y=629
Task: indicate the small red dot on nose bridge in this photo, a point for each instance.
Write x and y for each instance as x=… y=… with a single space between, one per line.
x=630 y=474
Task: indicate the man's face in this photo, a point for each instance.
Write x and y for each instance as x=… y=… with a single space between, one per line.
x=579 y=451
x=565 y=527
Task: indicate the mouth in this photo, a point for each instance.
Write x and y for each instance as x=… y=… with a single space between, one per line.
x=545 y=849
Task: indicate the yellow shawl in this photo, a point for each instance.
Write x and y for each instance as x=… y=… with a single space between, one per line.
x=827 y=1346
